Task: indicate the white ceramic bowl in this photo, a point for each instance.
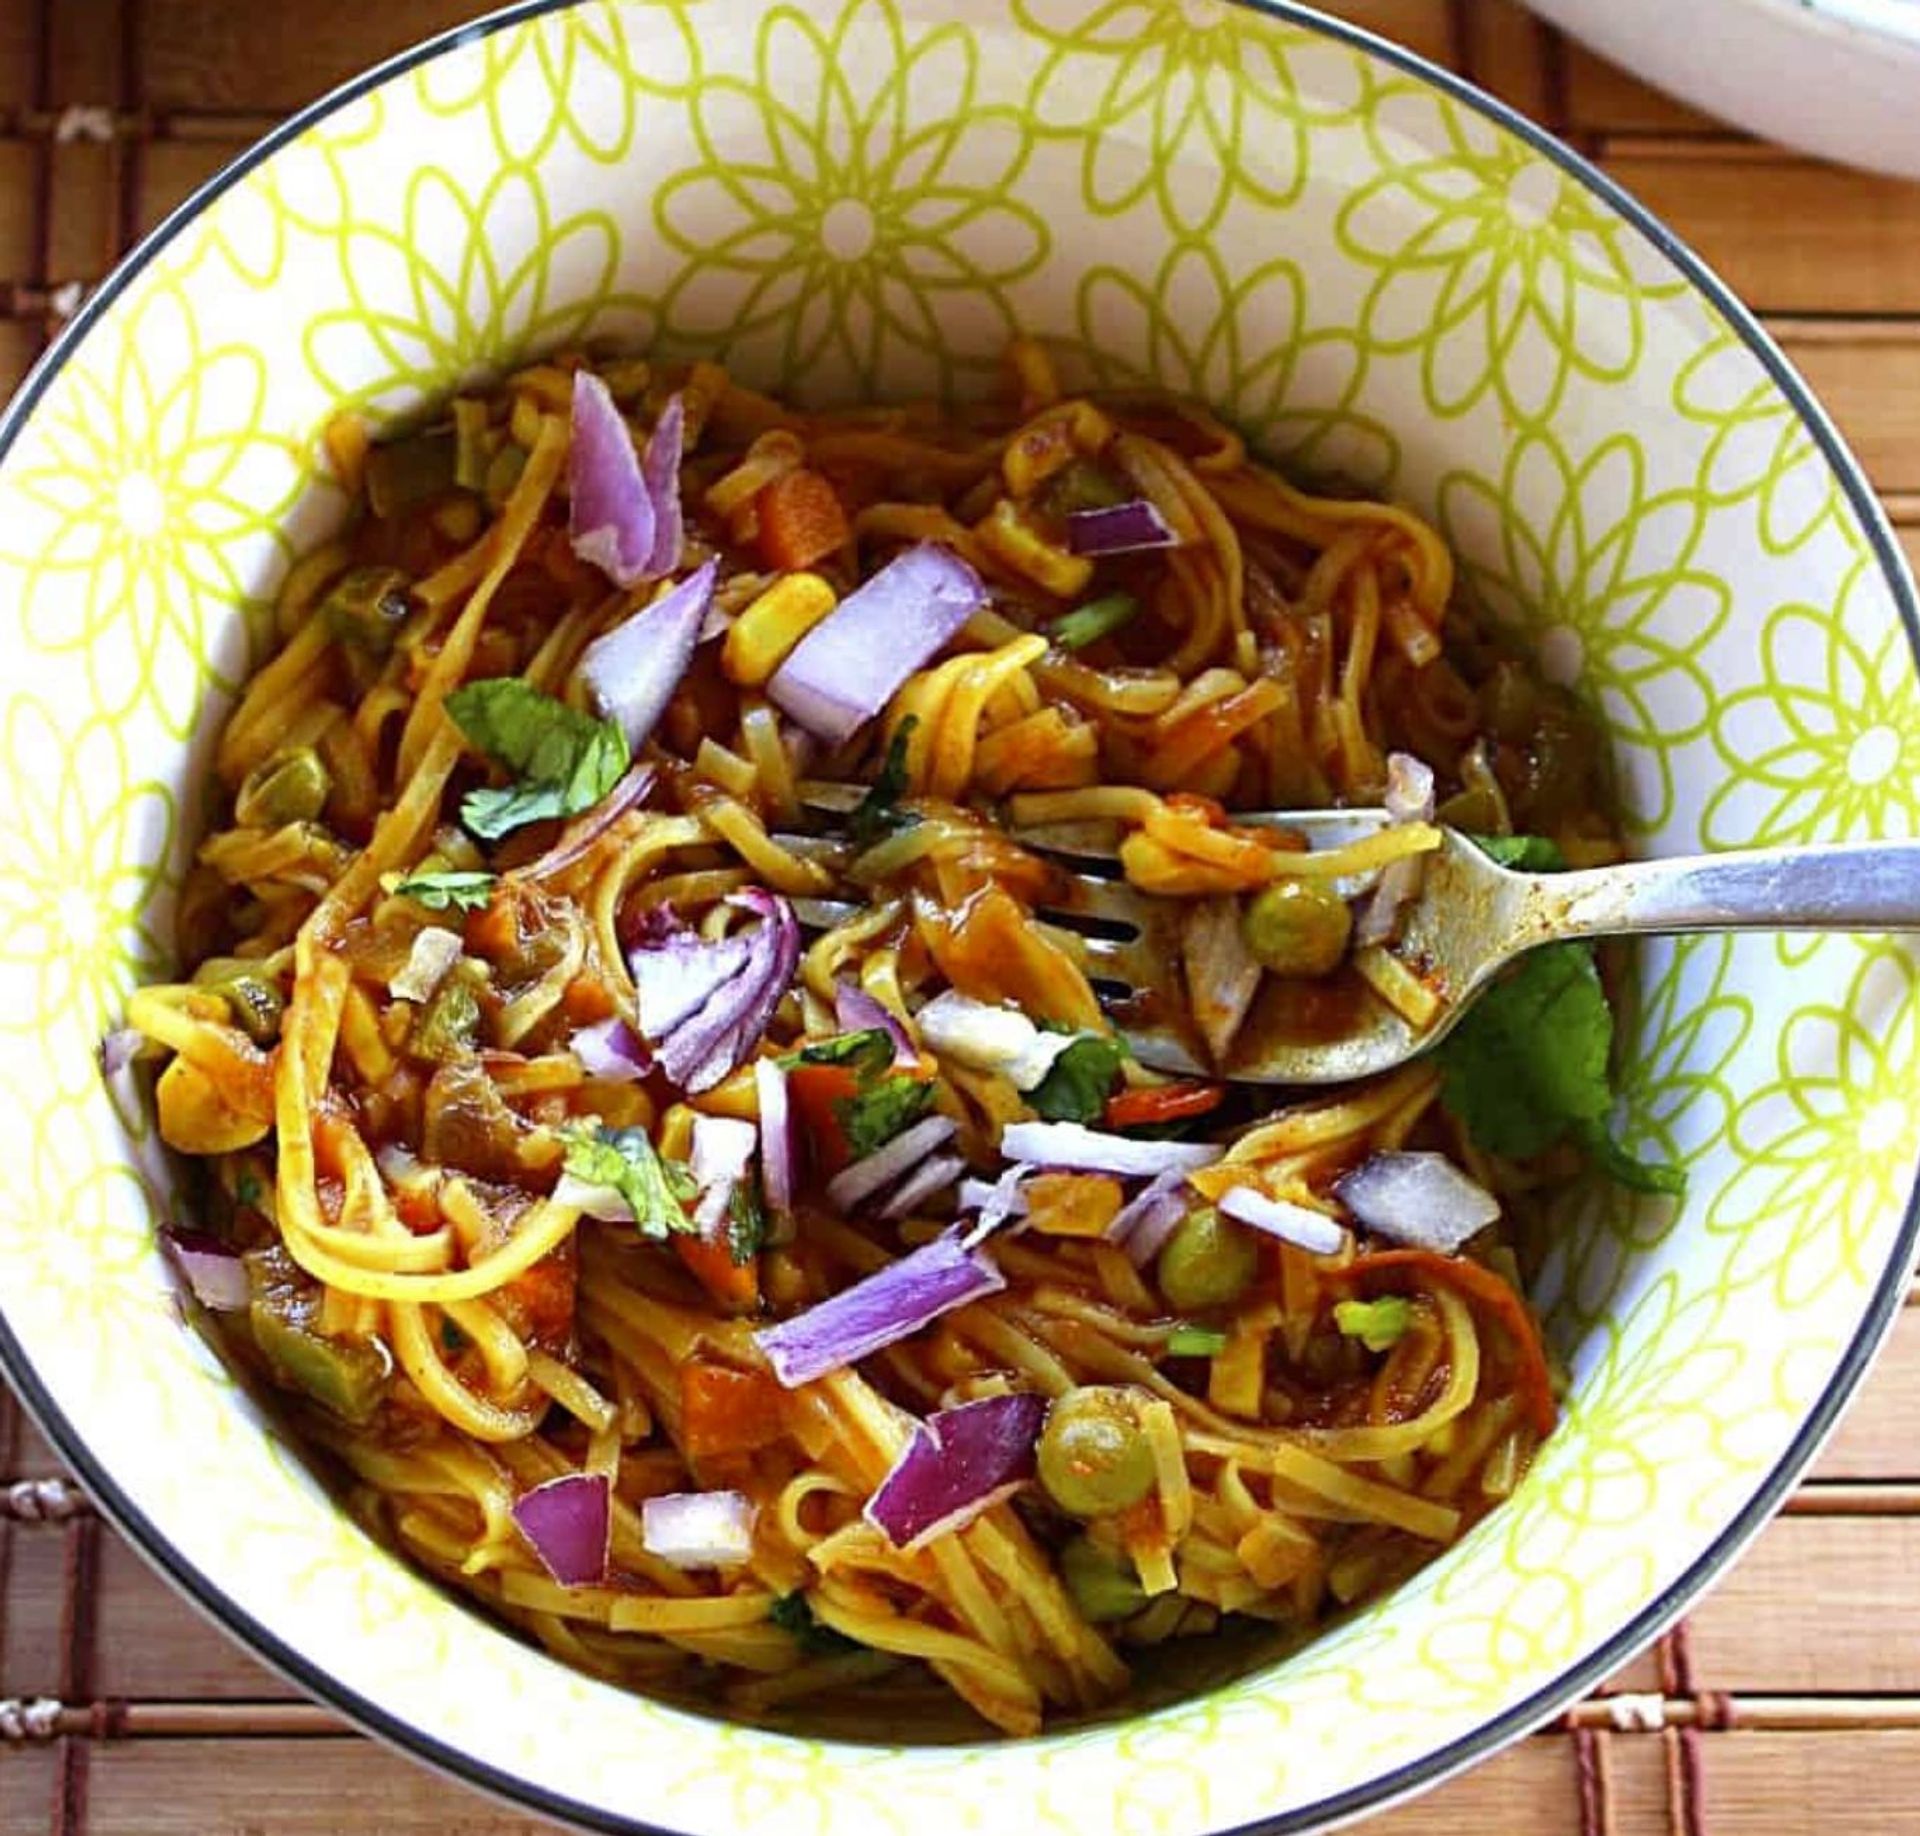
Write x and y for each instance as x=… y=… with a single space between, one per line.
x=1840 y=78
x=1373 y=269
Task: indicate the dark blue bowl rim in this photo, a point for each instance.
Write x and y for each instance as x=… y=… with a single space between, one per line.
x=1575 y=1681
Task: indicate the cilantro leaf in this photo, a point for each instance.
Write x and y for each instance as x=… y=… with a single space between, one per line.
x=746 y=1222
x=1529 y=1062
x=445 y=892
x=1186 y=1341
x=1098 y=618
x=873 y=1115
x=794 y=1616
x=1531 y=1054
x=866 y=1053
x=625 y=1161
x=1076 y=1086
x=1627 y=1169
x=565 y=761
x=878 y=814
x=1379 y=1325
x=1523 y=853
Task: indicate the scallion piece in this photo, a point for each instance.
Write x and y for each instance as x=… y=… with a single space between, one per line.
x=1098 y=618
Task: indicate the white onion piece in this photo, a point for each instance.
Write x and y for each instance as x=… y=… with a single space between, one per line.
x=1146 y=1221
x=987 y=1038
x=607 y=1203
x=995 y=1201
x=698 y=1529
x=721 y=1152
x=1299 y=1225
x=1409 y=798
x=1088 y=1150
x=214 y=1272
x=935 y=1176
x=886 y=1163
x=776 y=1135
x=434 y=952
x=1422 y=1200
x=1222 y=975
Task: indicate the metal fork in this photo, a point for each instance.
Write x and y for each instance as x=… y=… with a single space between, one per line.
x=1470 y=920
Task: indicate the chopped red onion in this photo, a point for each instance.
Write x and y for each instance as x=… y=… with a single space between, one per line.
x=1147 y=1220
x=879 y=1310
x=856 y=1011
x=1118 y=529
x=660 y=473
x=958 y=1464
x=1419 y=1199
x=1299 y=1225
x=119 y=1049
x=698 y=1529
x=845 y=670
x=435 y=951
x=718 y=1160
x=612 y=1051
x=1409 y=798
x=632 y=672
x=776 y=1135
x=988 y=1038
x=1088 y=1150
x=211 y=1269
x=935 y=1176
x=580 y=834
x=1222 y=975
x=704 y=1006
x=859 y=1182
x=567 y=1522
x=611 y=519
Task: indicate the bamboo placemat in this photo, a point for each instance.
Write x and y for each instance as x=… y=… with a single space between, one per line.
x=1793 y=1694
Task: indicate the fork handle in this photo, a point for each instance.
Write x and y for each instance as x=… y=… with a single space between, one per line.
x=1864 y=886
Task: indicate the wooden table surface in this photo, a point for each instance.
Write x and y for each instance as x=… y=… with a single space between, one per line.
x=1791 y=1698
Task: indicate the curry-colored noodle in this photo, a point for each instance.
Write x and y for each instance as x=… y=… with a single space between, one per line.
x=387 y=1123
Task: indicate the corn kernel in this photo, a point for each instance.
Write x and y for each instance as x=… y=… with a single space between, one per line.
x=760 y=638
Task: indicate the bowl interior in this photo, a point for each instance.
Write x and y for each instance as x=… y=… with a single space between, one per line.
x=1373 y=276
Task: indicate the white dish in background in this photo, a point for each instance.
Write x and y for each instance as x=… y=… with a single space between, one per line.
x=1839 y=78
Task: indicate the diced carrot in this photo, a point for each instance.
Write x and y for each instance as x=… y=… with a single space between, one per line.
x=735 y=1286
x=1162 y=1103
x=495 y=930
x=814 y=1092
x=801 y=520
x=587 y=1000
x=1072 y=1204
x=725 y=1411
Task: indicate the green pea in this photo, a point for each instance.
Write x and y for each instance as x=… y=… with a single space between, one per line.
x=1103 y=1586
x=253 y=999
x=291 y=786
x=1093 y=1455
x=1207 y=1262
x=1297 y=927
